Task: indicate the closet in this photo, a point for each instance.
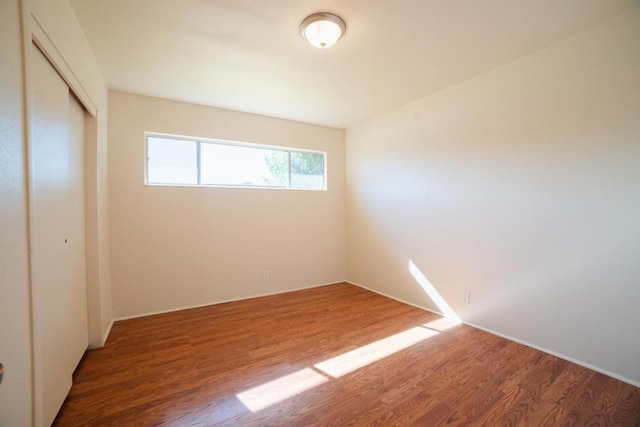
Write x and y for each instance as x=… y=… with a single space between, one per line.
x=57 y=235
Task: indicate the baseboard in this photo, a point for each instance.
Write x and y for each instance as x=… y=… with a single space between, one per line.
x=556 y=354
x=171 y=310
x=510 y=338
x=394 y=298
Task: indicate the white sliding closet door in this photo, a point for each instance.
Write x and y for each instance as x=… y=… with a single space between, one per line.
x=60 y=320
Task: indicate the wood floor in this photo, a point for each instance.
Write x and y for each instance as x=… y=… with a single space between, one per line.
x=309 y=358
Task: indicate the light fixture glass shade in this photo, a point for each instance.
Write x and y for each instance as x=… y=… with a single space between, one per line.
x=322 y=30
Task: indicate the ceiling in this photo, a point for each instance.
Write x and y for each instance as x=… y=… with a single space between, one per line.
x=248 y=55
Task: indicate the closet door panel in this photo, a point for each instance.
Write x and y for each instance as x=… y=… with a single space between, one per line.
x=57 y=237
x=77 y=323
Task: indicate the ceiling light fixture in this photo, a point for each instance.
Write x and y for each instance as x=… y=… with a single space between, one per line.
x=322 y=30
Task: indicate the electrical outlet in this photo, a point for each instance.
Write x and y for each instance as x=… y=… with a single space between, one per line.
x=265 y=276
x=466 y=297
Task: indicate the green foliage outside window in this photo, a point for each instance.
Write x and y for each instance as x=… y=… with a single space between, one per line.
x=301 y=164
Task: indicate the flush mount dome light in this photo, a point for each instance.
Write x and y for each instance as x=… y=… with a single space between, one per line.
x=322 y=30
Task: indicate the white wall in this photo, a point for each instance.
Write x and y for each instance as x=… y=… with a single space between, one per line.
x=174 y=247
x=521 y=186
x=15 y=345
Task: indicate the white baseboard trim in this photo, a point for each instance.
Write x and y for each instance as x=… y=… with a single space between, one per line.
x=510 y=338
x=556 y=354
x=394 y=298
x=103 y=340
x=171 y=310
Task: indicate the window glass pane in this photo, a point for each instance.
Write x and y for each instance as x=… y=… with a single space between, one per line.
x=307 y=170
x=176 y=161
x=171 y=161
x=244 y=166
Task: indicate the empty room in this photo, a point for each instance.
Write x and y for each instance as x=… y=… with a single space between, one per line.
x=319 y=213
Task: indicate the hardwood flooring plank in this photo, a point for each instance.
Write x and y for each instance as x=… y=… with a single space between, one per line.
x=330 y=356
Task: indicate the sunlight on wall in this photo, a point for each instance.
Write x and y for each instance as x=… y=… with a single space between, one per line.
x=265 y=395
x=355 y=359
x=433 y=293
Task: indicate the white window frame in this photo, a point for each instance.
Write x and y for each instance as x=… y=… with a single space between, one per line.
x=200 y=141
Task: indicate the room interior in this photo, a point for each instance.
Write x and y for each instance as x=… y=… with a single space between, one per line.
x=482 y=161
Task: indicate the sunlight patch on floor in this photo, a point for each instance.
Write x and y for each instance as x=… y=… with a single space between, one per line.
x=267 y=394
x=362 y=356
x=283 y=388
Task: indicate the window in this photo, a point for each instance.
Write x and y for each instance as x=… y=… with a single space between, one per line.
x=188 y=161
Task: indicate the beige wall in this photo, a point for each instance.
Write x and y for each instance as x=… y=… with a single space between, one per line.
x=174 y=247
x=520 y=186
x=15 y=344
